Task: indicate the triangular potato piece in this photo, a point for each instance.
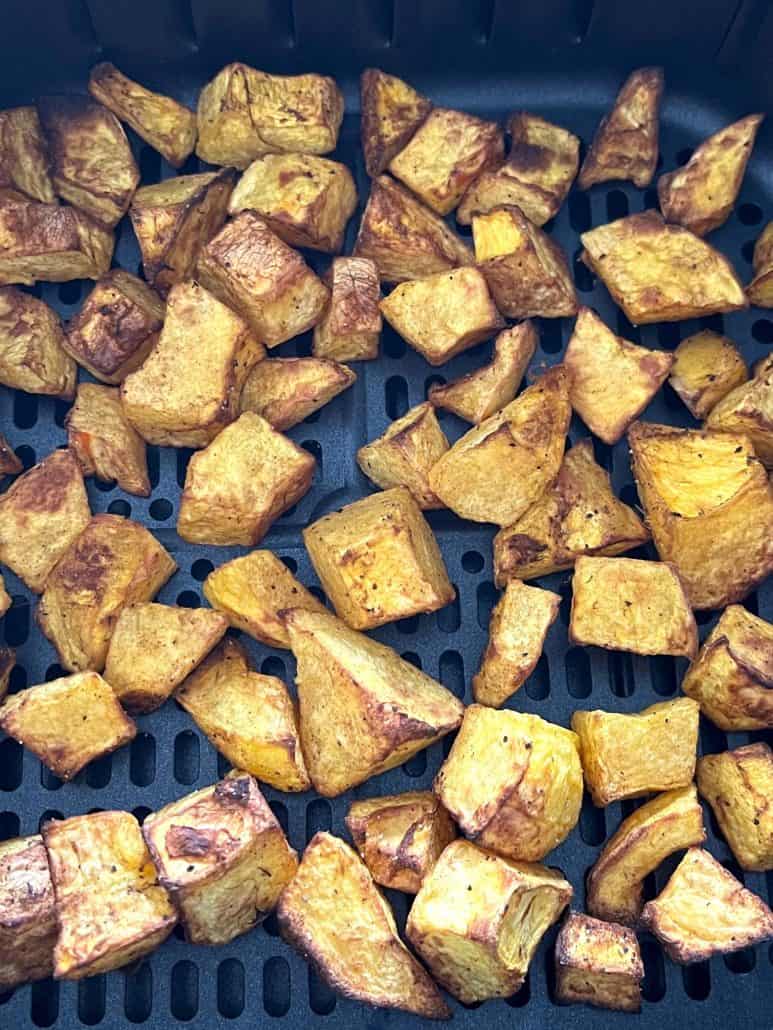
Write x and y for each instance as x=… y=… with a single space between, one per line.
x=104 y=441
x=285 y=391
x=24 y=163
x=364 y=709
x=760 y=289
x=749 y=409
x=707 y=366
x=32 y=353
x=391 y=112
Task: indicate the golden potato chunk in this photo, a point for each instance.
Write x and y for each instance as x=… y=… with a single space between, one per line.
x=112 y=563
x=400 y=836
x=98 y=861
x=104 y=442
x=497 y=470
x=24 y=163
x=760 y=289
x=404 y=454
x=363 y=709
x=239 y=485
x=748 y=409
x=285 y=391
x=27 y=918
x=183 y=397
x=169 y=127
x=703 y=911
x=707 y=366
x=669 y=822
x=478 y=918
x=378 y=561
x=391 y=112
x=223 y=857
x=244 y=113
x=404 y=238
x=32 y=347
x=10 y=465
x=626 y=142
x=598 y=963
x=526 y=271
x=350 y=328
x=739 y=785
x=336 y=917
x=709 y=507
x=41 y=514
x=627 y=756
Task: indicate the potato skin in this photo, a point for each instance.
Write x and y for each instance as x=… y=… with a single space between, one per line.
x=598 y=963
x=707 y=366
x=760 y=289
x=28 y=927
x=32 y=347
x=104 y=442
x=285 y=391
x=738 y=785
x=350 y=328
x=391 y=112
x=24 y=162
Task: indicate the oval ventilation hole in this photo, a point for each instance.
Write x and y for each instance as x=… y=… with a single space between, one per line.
x=150 y=165
x=408 y=626
x=668 y=335
x=189 y=599
x=18 y=679
x=416 y=765
x=451 y=672
x=9 y=825
x=270 y=925
x=120 y=507
x=60 y=412
x=473 y=562
x=584 y=279
x=395 y=397
x=186 y=757
x=750 y=214
x=550 y=335
x=565 y=608
x=10 y=764
x=49 y=780
x=486 y=597
x=683 y=155
x=747 y=251
x=319 y=593
x=578 y=677
x=223 y=766
x=91 y=1000
x=697 y=981
x=154 y=465
x=138 y=994
x=653 y=986
x=26 y=456
x=99 y=772
x=274 y=666
x=314 y=448
x=141 y=813
x=182 y=457
x=17 y=622
x=394 y=346
x=412 y=658
x=627 y=329
x=538 y=684
x=450 y=618
x=142 y=760
x=322 y=999
x=621 y=681
x=523 y=995
x=289 y=563
x=617 y=205
x=103 y=486
x=650 y=196
x=319 y=817
x=276 y=986
x=184 y=987
x=201 y=568
x=663 y=675
x=160 y=509
x=752 y=603
x=49 y=815
x=431 y=381
x=579 y=212
x=230 y=988
x=762 y=330
x=713 y=739
x=44 y=1002
x=593 y=823
x=25 y=409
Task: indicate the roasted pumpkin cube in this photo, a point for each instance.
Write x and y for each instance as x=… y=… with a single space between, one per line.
x=10 y=464
x=350 y=328
x=27 y=916
x=748 y=409
x=32 y=354
x=285 y=391
x=760 y=289
x=391 y=112
x=707 y=366
x=24 y=163
x=738 y=785
x=598 y=963
x=104 y=442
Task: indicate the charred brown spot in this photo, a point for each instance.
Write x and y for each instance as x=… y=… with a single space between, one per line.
x=185 y=841
x=237 y=790
x=529 y=157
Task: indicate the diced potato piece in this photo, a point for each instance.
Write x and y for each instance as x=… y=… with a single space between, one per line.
x=627 y=756
x=7 y=664
x=10 y=465
x=701 y=194
x=241 y=483
x=404 y=454
x=497 y=470
x=41 y=514
x=223 y=857
x=526 y=271
x=378 y=561
x=760 y=289
x=336 y=917
x=709 y=507
x=661 y=273
x=92 y=166
x=24 y=163
x=626 y=142
x=400 y=836
x=154 y=647
x=98 y=861
x=244 y=113
x=404 y=238
x=32 y=347
x=748 y=409
x=104 y=442
x=703 y=911
x=391 y=112
x=169 y=127
x=253 y=590
x=112 y=563
x=183 y=397
x=739 y=785
x=669 y=822
x=285 y=391
x=27 y=918
x=350 y=328
x=363 y=709
x=707 y=366
x=478 y=919
x=598 y=963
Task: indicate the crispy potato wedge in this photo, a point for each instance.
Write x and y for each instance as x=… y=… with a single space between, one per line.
x=28 y=927
x=285 y=391
x=105 y=444
x=497 y=470
x=10 y=463
x=626 y=142
x=32 y=347
x=748 y=409
x=241 y=483
x=703 y=911
x=350 y=328
x=336 y=917
x=7 y=664
x=41 y=514
x=707 y=366
x=760 y=289
x=478 y=918
x=598 y=963
x=169 y=127
x=400 y=836
x=96 y=861
x=182 y=397
x=24 y=162
x=391 y=112
x=739 y=785
x=223 y=857
x=378 y=561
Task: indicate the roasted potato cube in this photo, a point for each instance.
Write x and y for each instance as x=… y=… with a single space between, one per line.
x=336 y=917
x=709 y=506
x=104 y=442
x=497 y=470
x=24 y=163
x=41 y=514
x=669 y=822
x=241 y=483
x=478 y=918
x=404 y=238
x=169 y=127
x=626 y=142
x=701 y=194
x=627 y=756
x=400 y=836
x=760 y=289
x=285 y=391
x=405 y=453
x=598 y=963
x=251 y=591
x=154 y=647
x=27 y=915
x=378 y=561
x=350 y=328
x=98 y=861
x=112 y=563
x=223 y=857
x=92 y=166
x=363 y=709
x=7 y=664
x=10 y=464
x=749 y=409
x=244 y=113
x=526 y=271
x=703 y=911
x=32 y=354
x=183 y=397
x=391 y=112
x=707 y=366
x=739 y=785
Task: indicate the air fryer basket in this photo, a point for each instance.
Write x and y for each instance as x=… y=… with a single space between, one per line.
x=560 y=58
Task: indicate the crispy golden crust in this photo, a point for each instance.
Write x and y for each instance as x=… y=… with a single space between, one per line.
x=707 y=366
x=598 y=963
x=104 y=442
x=391 y=112
x=24 y=163
x=760 y=289
x=749 y=409
x=285 y=391
x=10 y=464
x=739 y=787
x=27 y=918
x=32 y=346
x=350 y=328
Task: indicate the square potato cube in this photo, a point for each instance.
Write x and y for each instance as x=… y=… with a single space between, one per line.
x=285 y=391
x=350 y=328
x=526 y=271
x=97 y=861
x=32 y=347
x=241 y=483
x=738 y=785
x=760 y=289
x=748 y=409
x=598 y=963
x=27 y=917
x=478 y=919
x=707 y=366
x=104 y=442
x=223 y=857
x=391 y=112
x=10 y=465
x=24 y=163
x=378 y=561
